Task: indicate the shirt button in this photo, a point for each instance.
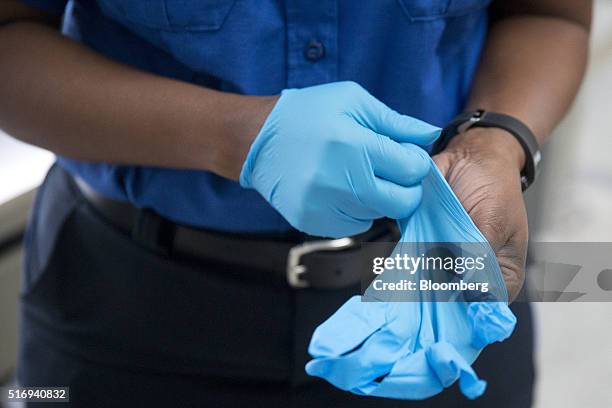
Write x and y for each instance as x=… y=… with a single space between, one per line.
x=314 y=51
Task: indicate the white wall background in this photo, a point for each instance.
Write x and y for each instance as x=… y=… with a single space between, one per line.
x=22 y=167
x=574 y=340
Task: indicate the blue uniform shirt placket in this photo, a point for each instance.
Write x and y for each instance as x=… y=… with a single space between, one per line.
x=312 y=36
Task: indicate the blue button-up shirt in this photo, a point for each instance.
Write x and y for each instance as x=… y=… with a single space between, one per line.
x=417 y=56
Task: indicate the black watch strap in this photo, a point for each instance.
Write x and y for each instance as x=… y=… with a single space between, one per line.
x=515 y=127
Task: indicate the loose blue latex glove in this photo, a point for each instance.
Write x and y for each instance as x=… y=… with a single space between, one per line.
x=329 y=159
x=413 y=350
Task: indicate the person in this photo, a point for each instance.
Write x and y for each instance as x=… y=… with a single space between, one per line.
x=154 y=277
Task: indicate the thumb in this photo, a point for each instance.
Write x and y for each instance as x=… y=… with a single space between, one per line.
x=443 y=162
x=401 y=128
x=491 y=322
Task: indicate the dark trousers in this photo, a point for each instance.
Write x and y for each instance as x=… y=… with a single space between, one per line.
x=122 y=326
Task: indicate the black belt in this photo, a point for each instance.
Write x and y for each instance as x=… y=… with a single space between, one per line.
x=300 y=260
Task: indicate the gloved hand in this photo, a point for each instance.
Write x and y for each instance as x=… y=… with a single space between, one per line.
x=414 y=349
x=329 y=159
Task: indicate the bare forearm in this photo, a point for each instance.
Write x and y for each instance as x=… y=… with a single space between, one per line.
x=59 y=95
x=531 y=68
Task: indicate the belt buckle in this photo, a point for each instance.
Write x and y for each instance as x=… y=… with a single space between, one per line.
x=296 y=271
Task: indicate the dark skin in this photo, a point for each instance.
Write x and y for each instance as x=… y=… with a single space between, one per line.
x=523 y=75
x=88 y=107
x=91 y=108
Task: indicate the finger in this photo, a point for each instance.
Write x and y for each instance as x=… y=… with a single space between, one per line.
x=371 y=360
x=410 y=379
x=449 y=366
x=347 y=328
x=336 y=223
x=491 y=322
x=405 y=165
x=442 y=161
x=345 y=227
x=401 y=128
x=426 y=373
x=392 y=200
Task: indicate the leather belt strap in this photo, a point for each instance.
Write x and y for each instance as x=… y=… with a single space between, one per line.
x=299 y=260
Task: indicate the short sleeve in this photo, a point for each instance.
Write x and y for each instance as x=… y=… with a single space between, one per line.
x=55 y=7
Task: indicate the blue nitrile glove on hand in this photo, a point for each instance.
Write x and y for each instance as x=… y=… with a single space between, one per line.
x=329 y=159
x=414 y=349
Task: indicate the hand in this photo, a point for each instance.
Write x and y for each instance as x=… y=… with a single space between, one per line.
x=329 y=159
x=483 y=166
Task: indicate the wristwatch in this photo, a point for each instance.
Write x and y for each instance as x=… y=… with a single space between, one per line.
x=515 y=127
